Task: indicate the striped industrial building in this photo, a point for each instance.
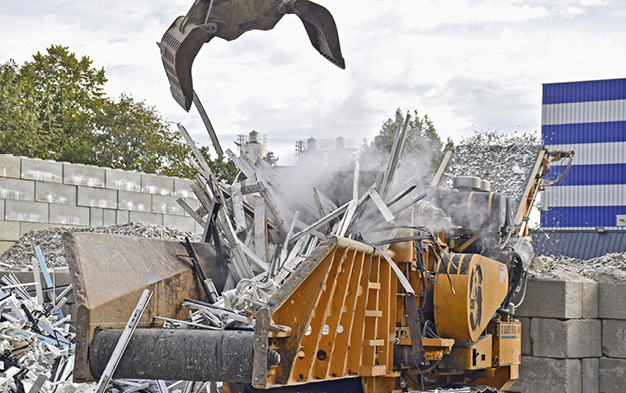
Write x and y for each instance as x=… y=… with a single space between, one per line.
x=590 y=118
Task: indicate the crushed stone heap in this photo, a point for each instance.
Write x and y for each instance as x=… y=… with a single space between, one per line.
x=50 y=242
x=607 y=268
x=505 y=160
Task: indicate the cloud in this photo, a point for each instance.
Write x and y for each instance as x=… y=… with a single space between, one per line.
x=425 y=16
x=467 y=64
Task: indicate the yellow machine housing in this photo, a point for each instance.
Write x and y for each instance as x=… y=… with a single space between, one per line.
x=467 y=295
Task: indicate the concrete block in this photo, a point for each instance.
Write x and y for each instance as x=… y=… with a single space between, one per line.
x=26 y=227
x=108 y=217
x=155 y=184
x=572 y=338
x=589 y=300
x=552 y=299
x=96 y=217
x=548 y=375
x=590 y=375
x=42 y=170
x=55 y=193
x=26 y=211
x=22 y=190
x=166 y=205
x=69 y=215
x=612 y=375
x=137 y=201
x=527 y=348
x=612 y=300
x=182 y=188
x=10 y=166
x=198 y=228
x=122 y=217
x=614 y=338
x=122 y=180
x=2 y=209
x=179 y=222
x=194 y=203
x=146 y=218
x=83 y=175
x=10 y=231
x=4 y=246
x=97 y=197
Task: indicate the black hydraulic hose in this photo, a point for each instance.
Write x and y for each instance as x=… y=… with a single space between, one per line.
x=419 y=256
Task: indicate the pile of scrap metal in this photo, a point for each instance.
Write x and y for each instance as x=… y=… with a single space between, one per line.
x=35 y=333
x=37 y=337
x=399 y=288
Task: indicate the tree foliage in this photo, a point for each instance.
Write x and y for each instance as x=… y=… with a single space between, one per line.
x=223 y=169
x=131 y=135
x=422 y=138
x=18 y=116
x=54 y=107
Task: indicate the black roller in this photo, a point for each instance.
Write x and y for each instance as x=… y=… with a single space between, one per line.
x=175 y=354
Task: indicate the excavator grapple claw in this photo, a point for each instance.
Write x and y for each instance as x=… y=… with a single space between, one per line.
x=322 y=30
x=228 y=19
x=179 y=47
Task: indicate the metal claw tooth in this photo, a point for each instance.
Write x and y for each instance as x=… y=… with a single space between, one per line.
x=179 y=47
x=321 y=29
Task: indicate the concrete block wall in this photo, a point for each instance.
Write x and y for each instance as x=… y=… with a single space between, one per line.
x=573 y=336
x=39 y=194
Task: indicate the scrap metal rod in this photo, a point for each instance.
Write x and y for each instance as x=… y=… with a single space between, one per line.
x=394 y=159
x=197 y=269
x=207 y=123
x=122 y=343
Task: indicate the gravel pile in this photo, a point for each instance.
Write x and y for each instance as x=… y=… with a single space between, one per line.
x=50 y=242
x=607 y=268
x=505 y=160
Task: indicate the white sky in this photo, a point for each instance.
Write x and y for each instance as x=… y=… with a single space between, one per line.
x=469 y=65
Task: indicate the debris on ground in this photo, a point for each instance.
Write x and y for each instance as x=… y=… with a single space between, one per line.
x=606 y=268
x=36 y=337
x=50 y=241
x=37 y=343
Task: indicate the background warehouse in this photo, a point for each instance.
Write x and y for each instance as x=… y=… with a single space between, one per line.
x=585 y=215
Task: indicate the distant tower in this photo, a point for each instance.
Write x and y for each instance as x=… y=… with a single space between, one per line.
x=324 y=152
x=253 y=144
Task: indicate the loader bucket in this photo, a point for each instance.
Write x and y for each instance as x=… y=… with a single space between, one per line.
x=110 y=273
x=179 y=46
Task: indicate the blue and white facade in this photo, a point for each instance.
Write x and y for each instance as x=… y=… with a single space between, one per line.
x=589 y=118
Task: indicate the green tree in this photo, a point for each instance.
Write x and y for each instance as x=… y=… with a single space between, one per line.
x=132 y=135
x=54 y=107
x=19 y=120
x=421 y=138
x=225 y=170
x=68 y=92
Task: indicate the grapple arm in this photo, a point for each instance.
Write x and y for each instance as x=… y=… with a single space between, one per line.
x=228 y=19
